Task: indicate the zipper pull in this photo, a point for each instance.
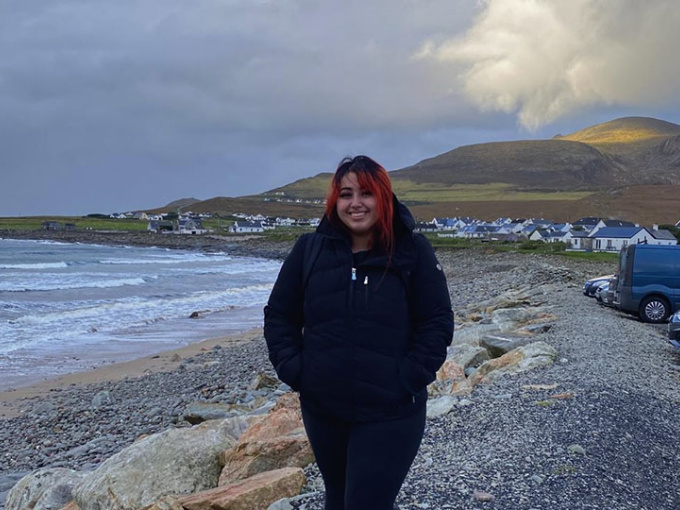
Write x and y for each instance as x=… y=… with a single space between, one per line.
x=366 y=280
x=354 y=274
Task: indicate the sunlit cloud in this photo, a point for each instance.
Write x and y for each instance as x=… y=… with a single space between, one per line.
x=543 y=59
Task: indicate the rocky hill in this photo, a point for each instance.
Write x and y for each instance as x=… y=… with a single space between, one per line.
x=628 y=168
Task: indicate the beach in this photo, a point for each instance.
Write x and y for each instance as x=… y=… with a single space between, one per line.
x=607 y=442
x=15 y=402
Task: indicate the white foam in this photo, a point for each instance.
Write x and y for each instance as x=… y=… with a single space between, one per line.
x=37 y=265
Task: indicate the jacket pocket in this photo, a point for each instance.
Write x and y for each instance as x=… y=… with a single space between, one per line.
x=290 y=372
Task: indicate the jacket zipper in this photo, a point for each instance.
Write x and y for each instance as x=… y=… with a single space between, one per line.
x=366 y=291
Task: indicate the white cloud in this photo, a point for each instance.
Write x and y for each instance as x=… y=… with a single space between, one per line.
x=544 y=59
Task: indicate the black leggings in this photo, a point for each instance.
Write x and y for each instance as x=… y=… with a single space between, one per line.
x=363 y=464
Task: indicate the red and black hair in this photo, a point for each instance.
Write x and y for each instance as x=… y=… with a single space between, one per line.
x=372 y=177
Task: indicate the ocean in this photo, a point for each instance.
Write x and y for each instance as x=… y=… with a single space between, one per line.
x=68 y=307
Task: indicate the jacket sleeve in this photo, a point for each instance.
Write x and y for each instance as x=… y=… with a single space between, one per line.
x=432 y=320
x=283 y=317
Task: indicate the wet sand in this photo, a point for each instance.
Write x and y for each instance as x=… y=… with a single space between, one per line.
x=12 y=402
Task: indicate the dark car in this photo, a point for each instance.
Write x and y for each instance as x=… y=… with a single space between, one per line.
x=602 y=294
x=674 y=329
x=591 y=285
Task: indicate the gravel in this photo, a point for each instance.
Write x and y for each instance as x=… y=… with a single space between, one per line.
x=607 y=443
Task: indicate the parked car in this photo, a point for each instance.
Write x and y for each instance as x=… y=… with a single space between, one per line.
x=604 y=294
x=649 y=281
x=608 y=295
x=591 y=285
x=674 y=329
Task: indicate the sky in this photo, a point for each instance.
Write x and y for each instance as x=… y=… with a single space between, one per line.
x=122 y=105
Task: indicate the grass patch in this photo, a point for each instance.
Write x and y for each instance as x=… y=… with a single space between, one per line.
x=409 y=191
x=81 y=223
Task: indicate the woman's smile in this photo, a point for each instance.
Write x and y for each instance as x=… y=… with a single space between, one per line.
x=356 y=207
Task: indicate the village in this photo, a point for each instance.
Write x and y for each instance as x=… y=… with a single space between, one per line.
x=585 y=234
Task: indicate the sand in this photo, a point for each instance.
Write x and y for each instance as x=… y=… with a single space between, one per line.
x=11 y=401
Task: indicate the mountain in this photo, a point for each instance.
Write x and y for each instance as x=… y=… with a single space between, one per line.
x=182 y=202
x=628 y=168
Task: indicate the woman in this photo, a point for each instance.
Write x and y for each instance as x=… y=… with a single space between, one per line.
x=358 y=323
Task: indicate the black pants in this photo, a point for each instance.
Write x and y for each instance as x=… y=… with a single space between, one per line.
x=363 y=464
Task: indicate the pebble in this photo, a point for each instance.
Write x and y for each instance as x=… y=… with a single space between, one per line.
x=624 y=413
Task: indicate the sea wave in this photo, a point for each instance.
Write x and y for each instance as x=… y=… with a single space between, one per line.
x=36 y=265
x=46 y=285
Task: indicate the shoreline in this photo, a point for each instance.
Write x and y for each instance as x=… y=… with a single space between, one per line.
x=13 y=402
x=249 y=245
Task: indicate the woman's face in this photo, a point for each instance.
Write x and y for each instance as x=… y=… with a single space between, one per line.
x=356 y=207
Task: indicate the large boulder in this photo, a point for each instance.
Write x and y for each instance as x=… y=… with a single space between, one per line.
x=497 y=345
x=176 y=461
x=44 y=489
x=467 y=355
x=255 y=493
x=471 y=333
x=518 y=360
x=277 y=441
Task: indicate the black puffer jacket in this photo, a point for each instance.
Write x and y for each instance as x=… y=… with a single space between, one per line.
x=362 y=347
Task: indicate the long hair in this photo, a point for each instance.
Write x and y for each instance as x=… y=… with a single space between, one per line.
x=373 y=177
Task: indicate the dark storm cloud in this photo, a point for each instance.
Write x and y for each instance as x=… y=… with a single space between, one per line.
x=108 y=106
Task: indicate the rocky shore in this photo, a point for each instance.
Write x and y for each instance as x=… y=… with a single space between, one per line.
x=594 y=427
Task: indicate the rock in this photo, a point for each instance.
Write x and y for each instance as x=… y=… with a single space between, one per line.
x=198 y=412
x=467 y=355
x=482 y=496
x=176 y=461
x=44 y=489
x=450 y=371
x=471 y=334
x=103 y=398
x=441 y=406
x=276 y=441
x=518 y=360
x=165 y=503
x=44 y=407
x=263 y=380
x=536 y=329
x=576 y=449
x=497 y=345
x=255 y=493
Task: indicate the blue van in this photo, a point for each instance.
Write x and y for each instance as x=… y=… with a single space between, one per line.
x=649 y=281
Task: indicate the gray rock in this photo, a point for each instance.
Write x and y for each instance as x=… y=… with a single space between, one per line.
x=468 y=356
x=199 y=412
x=440 y=406
x=177 y=461
x=497 y=345
x=472 y=333
x=103 y=398
x=44 y=489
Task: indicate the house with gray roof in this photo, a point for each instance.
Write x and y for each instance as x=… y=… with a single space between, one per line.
x=614 y=238
x=243 y=227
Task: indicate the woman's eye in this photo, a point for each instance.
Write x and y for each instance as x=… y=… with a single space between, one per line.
x=366 y=194
x=345 y=195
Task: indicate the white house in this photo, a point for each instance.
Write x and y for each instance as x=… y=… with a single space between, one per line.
x=611 y=224
x=247 y=226
x=190 y=226
x=615 y=238
x=575 y=239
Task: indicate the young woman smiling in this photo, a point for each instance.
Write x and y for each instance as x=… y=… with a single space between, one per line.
x=360 y=336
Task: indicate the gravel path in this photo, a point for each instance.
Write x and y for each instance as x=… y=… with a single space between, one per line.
x=611 y=445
